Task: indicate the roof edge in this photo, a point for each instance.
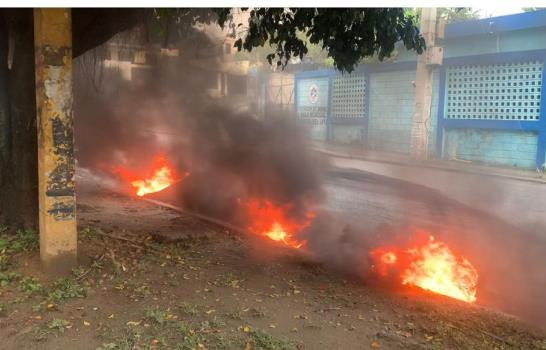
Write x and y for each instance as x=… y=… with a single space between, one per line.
x=493 y=25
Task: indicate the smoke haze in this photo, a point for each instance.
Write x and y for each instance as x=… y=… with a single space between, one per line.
x=234 y=156
x=230 y=154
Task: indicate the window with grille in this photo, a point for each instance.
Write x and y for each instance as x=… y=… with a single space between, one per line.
x=504 y=91
x=348 y=94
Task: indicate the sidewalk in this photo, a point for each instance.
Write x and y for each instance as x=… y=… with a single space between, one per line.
x=360 y=153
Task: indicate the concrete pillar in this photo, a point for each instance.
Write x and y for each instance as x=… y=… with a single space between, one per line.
x=57 y=201
x=423 y=89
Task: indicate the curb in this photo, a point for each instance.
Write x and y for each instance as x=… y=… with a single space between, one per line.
x=431 y=166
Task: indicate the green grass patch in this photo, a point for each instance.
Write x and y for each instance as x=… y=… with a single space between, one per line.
x=263 y=341
x=66 y=288
x=188 y=309
x=162 y=329
x=10 y=244
x=7 y=278
x=58 y=324
x=158 y=317
x=21 y=241
x=30 y=286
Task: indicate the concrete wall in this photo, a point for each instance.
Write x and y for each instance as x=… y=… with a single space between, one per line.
x=392 y=103
x=313 y=110
x=521 y=40
x=390 y=96
x=509 y=148
x=348 y=134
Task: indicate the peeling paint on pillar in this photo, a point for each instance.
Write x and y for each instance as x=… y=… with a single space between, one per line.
x=56 y=164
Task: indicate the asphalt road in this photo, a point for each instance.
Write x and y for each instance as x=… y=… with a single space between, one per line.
x=510 y=254
x=522 y=203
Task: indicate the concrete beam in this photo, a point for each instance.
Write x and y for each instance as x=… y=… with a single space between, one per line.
x=56 y=165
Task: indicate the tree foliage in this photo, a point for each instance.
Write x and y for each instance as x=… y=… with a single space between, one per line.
x=347 y=35
x=451 y=14
x=170 y=25
x=457 y=14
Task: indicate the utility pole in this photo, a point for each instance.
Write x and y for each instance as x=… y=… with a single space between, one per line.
x=56 y=165
x=423 y=86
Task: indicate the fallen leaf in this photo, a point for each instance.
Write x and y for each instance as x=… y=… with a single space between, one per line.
x=376 y=344
x=403 y=334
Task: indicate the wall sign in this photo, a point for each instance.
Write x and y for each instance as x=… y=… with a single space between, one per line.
x=313 y=94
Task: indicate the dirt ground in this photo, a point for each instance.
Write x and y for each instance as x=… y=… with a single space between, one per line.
x=169 y=281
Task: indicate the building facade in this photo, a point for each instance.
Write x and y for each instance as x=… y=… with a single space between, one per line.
x=486 y=104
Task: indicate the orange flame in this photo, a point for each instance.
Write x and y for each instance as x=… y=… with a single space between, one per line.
x=160 y=179
x=273 y=222
x=161 y=176
x=431 y=266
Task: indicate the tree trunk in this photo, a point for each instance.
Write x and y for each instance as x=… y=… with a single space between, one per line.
x=18 y=150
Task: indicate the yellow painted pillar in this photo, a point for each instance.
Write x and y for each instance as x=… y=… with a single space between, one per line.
x=56 y=166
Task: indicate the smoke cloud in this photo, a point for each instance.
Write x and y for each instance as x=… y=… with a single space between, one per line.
x=233 y=156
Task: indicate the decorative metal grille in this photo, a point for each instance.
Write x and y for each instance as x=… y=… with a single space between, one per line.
x=505 y=91
x=348 y=96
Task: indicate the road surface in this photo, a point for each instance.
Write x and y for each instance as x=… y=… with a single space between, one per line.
x=522 y=203
x=496 y=223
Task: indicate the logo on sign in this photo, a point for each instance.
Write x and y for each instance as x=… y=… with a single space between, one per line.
x=313 y=94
